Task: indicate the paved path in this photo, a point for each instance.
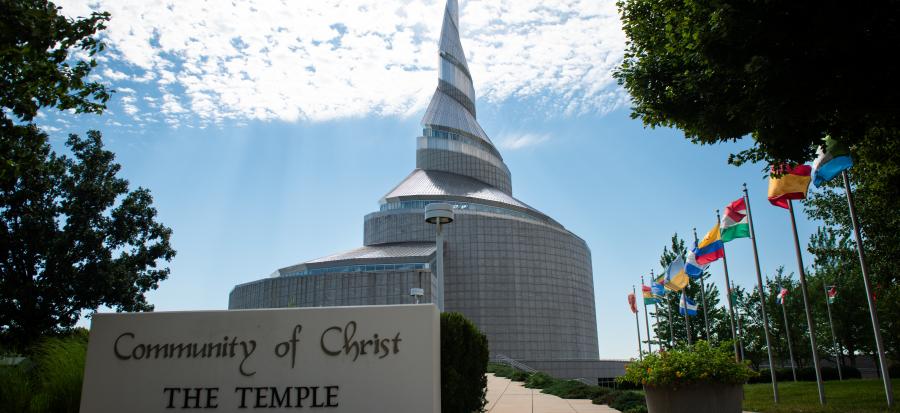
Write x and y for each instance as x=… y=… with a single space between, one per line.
x=507 y=396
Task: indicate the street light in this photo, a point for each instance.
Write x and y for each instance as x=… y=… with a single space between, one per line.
x=439 y=214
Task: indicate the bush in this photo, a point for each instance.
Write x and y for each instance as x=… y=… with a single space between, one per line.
x=540 y=380
x=519 y=375
x=15 y=394
x=464 y=362
x=628 y=401
x=893 y=371
x=698 y=363
x=59 y=371
x=50 y=381
x=573 y=389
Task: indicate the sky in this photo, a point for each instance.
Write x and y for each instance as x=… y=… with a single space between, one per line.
x=266 y=130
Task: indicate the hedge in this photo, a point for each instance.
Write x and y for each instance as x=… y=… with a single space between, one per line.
x=464 y=360
x=807 y=374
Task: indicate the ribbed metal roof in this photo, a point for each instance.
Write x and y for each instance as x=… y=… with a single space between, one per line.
x=382 y=251
x=446 y=111
x=427 y=183
x=395 y=253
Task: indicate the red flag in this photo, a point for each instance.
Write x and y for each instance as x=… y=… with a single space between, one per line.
x=632 y=303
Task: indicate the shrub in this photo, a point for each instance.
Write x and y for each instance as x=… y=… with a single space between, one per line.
x=58 y=373
x=540 y=380
x=519 y=375
x=698 y=363
x=628 y=401
x=573 y=389
x=464 y=361
x=15 y=394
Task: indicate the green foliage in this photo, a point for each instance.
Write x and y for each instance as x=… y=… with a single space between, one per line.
x=44 y=60
x=539 y=380
x=50 y=381
x=464 y=362
x=572 y=389
x=624 y=401
x=777 y=70
x=74 y=238
x=698 y=363
x=629 y=401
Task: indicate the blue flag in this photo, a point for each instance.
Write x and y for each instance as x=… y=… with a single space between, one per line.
x=687 y=305
x=832 y=160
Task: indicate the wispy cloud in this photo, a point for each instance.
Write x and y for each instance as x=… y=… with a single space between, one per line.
x=515 y=142
x=209 y=61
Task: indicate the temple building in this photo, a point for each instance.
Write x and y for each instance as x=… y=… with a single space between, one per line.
x=519 y=275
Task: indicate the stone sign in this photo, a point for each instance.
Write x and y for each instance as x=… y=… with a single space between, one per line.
x=334 y=359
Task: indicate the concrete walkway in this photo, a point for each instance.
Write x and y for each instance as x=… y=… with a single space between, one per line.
x=507 y=396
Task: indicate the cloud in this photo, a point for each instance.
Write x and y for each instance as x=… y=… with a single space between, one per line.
x=273 y=60
x=514 y=142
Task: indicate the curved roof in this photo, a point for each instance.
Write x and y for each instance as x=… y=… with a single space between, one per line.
x=426 y=183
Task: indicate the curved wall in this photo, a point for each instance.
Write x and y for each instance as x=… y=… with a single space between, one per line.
x=527 y=285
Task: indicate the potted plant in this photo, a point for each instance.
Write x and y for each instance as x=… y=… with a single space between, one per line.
x=696 y=379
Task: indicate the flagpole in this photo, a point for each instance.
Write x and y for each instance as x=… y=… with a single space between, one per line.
x=730 y=304
x=740 y=329
x=687 y=322
x=809 y=318
x=759 y=285
x=668 y=314
x=837 y=350
x=787 y=332
x=637 y=324
x=703 y=293
x=879 y=344
x=646 y=318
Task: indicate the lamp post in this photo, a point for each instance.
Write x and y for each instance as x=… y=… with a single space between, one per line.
x=439 y=214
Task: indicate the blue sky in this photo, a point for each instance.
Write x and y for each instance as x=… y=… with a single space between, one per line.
x=253 y=179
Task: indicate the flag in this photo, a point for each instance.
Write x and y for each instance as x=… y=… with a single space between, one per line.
x=832 y=294
x=832 y=160
x=658 y=288
x=711 y=247
x=692 y=267
x=649 y=297
x=733 y=293
x=687 y=305
x=734 y=222
x=676 y=278
x=793 y=184
x=631 y=302
x=781 y=295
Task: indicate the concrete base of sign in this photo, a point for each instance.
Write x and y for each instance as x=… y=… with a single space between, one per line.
x=336 y=359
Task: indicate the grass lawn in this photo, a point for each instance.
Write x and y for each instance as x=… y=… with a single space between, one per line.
x=862 y=396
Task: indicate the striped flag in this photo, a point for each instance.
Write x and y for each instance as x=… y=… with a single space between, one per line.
x=688 y=305
x=649 y=297
x=792 y=183
x=691 y=266
x=710 y=247
x=832 y=160
x=734 y=222
x=832 y=294
x=658 y=288
x=781 y=295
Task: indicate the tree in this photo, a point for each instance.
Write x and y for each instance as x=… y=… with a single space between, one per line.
x=73 y=237
x=718 y=316
x=836 y=265
x=788 y=73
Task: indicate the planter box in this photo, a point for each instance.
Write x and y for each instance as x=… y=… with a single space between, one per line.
x=695 y=398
